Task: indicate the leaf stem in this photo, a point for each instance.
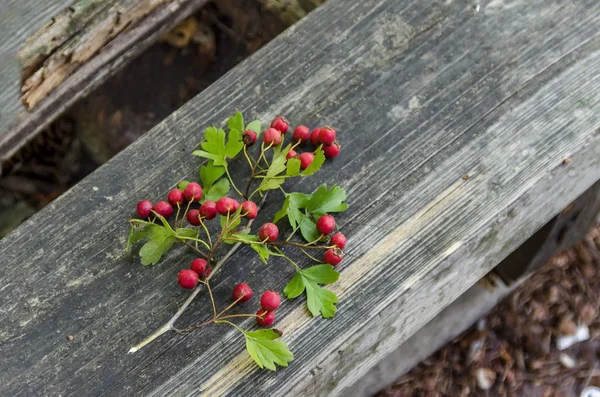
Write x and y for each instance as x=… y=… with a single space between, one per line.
x=233 y=183
x=288 y=259
x=197 y=250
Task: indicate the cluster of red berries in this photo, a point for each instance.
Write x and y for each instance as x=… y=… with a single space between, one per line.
x=208 y=209
x=274 y=136
x=269 y=302
x=189 y=278
x=333 y=255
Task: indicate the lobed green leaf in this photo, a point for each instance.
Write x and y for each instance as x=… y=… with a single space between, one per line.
x=266 y=350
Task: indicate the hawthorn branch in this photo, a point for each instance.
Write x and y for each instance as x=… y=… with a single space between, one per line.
x=170 y=325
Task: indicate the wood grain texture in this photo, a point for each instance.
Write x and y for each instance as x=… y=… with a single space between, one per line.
x=423 y=93
x=18 y=20
x=17 y=126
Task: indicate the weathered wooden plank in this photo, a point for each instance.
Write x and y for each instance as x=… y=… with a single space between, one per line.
x=448 y=324
x=423 y=94
x=18 y=20
x=73 y=66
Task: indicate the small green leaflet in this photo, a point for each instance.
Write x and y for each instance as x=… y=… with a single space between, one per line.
x=218 y=190
x=215 y=148
x=244 y=238
x=160 y=239
x=136 y=233
x=308 y=227
x=266 y=350
x=316 y=164
x=273 y=179
x=324 y=201
x=293 y=167
x=254 y=126
x=263 y=252
x=186 y=232
x=236 y=122
x=318 y=299
x=182 y=184
x=209 y=173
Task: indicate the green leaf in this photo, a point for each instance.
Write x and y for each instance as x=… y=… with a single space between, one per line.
x=321 y=274
x=245 y=238
x=160 y=240
x=316 y=164
x=318 y=299
x=186 y=232
x=218 y=190
x=282 y=213
x=295 y=287
x=273 y=178
x=213 y=145
x=299 y=200
x=324 y=201
x=255 y=126
x=236 y=122
x=136 y=233
x=266 y=350
x=207 y=155
x=209 y=173
x=293 y=167
x=263 y=252
x=182 y=184
x=308 y=228
x=235 y=144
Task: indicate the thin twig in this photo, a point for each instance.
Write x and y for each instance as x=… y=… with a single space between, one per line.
x=206 y=256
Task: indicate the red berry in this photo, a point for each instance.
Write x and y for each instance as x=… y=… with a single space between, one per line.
x=333 y=256
x=270 y=300
x=249 y=210
x=199 y=266
x=265 y=318
x=272 y=137
x=163 y=208
x=188 y=278
x=249 y=137
x=280 y=124
x=227 y=205
x=301 y=133
x=306 y=159
x=193 y=217
x=314 y=136
x=326 y=224
x=175 y=197
x=144 y=208
x=291 y=153
x=268 y=232
x=193 y=192
x=242 y=292
x=331 y=151
x=208 y=209
x=339 y=240
x=327 y=135
x=207 y=272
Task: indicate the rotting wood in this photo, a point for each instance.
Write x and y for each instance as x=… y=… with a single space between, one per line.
x=114 y=55
x=56 y=32
x=61 y=63
x=422 y=94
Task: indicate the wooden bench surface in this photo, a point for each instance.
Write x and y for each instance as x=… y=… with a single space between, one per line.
x=423 y=93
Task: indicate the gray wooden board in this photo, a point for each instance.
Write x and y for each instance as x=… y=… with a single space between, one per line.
x=422 y=93
x=18 y=20
x=18 y=126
